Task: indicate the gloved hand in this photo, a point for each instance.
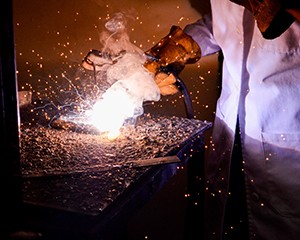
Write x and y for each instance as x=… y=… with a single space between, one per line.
x=169 y=56
x=166 y=83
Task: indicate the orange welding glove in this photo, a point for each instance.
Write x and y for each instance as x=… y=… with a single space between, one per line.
x=169 y=56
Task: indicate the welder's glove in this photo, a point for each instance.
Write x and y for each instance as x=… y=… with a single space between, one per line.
x=173 y=52
x=169 y=56
x=166 y=83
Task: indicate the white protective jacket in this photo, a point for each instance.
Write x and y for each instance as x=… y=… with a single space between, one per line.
x=260 y=87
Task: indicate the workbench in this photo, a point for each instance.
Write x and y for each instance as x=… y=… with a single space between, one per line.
x=94 y=187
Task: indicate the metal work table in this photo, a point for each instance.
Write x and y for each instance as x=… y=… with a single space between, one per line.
x=92 y=201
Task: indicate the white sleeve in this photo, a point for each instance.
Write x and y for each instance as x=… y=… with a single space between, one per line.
x=201 y=32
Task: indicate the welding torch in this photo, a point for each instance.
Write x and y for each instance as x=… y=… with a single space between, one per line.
x=165 y=60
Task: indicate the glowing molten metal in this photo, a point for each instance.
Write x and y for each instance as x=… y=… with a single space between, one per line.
x=110 y=112
x=132 y=86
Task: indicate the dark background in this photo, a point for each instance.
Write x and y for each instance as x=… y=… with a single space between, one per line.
x=52 y=37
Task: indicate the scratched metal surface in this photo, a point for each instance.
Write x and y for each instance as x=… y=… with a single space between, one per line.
x=64 y=169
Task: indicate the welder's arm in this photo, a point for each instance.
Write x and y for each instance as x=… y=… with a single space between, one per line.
x=168 y=58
